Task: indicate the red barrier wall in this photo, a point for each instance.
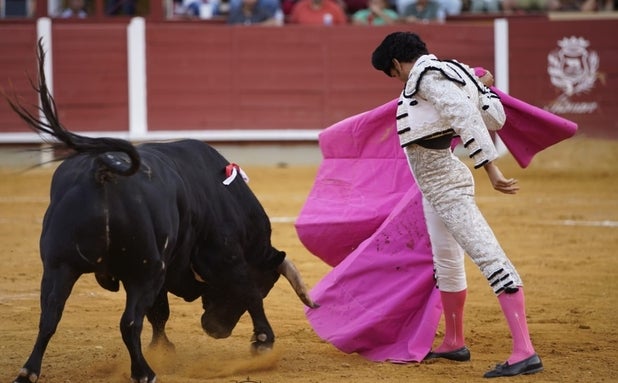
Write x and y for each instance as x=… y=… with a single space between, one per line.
x=213 y=77
x=90 y=75
x=202 y=76
x=17 y=49
x=530 y=45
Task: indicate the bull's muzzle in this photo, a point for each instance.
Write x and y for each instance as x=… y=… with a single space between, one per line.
x=214 y=328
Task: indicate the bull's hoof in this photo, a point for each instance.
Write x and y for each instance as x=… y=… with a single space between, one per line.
x=26 y=376
x=144 y=376
x=261 y=345
x=144 y=380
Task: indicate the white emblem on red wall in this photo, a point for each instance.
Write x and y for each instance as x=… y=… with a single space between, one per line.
x=573 y=69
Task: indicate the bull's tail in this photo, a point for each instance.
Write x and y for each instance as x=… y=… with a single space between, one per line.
x=79 y=144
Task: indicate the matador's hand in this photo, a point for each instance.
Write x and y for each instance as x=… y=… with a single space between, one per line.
x=487 y=79
x=499 y=182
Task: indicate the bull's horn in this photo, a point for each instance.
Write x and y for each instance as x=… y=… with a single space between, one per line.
x=289 y=271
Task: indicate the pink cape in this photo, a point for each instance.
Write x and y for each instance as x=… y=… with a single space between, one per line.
x=529 y=129
x=364 y=217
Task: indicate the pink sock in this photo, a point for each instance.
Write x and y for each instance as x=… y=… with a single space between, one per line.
x=514 y=309
x=453 y=305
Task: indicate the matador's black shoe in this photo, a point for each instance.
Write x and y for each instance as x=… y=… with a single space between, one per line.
x=459 y=355
x=527 y=366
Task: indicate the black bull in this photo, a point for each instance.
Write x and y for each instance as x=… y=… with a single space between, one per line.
x=156 y=218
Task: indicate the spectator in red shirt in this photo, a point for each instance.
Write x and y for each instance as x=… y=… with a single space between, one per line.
x=318 y=12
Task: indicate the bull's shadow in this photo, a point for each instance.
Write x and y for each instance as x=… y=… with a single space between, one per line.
x=156 y=218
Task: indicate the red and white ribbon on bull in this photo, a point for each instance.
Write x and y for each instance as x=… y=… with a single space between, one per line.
x=231 y=171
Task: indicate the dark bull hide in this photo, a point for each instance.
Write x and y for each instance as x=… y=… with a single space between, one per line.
x=156 y=218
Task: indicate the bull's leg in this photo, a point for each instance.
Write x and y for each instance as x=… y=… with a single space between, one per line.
x=158 y=316
x=263 y=335
x=141 y=296
x=56 y=287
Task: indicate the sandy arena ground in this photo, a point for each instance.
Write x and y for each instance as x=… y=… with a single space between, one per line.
x=561 y=231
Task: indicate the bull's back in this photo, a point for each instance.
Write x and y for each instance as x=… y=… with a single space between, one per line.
x=175 y=200
x=220 y=213
x=202 y=170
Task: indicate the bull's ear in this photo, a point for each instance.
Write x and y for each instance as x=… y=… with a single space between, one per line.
x=274 y=259
x=278 y=257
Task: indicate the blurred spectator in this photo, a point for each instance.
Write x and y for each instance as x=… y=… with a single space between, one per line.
x=587 y=5
x=198 y=8
x=255 y=12
x=481 y=6
x=451 y=7
x=287 y=6
x=318 y=12
x=74 y=9
x=272 y=5
x=223 y=8
x=509 y=6
x=377 y=13
x=571 y=5
x=120 y=7
x=400 y=5
x=203 y=9
x=423 y=11
x=447 y=7
x=17 y=8
x=352 y=6
x=193 y=8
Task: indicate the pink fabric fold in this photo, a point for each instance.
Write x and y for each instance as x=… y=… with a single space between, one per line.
x=381 y=300
x=362 y=176
x=529 y=129
x=364 y=216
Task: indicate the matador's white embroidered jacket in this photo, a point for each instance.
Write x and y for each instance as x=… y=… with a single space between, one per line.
x=431 y=104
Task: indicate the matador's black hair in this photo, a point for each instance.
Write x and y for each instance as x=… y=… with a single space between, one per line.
x=402 y=46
